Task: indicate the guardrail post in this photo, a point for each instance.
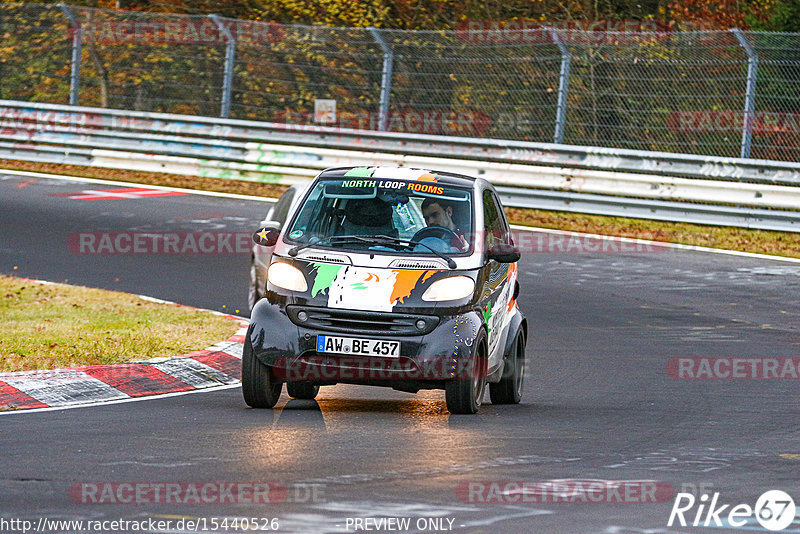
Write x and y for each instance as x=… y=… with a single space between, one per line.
x=386 y=78
x=230 y=53
x=563 y=86
x=75 y=68
x=750 y=95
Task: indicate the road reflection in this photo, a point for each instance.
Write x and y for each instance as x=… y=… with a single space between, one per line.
x=304 y=414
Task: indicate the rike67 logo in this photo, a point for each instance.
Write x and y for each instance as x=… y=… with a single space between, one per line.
x=774 y=510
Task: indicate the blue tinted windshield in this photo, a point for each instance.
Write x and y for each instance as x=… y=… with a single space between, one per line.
x=434 y=214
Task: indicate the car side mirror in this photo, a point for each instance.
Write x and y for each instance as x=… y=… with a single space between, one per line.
x=267 y=236
x=504 y=254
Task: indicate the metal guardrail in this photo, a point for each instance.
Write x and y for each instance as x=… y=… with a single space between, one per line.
x=608 y=83
x=17 y=114
x=659 y=210
x=664 y=186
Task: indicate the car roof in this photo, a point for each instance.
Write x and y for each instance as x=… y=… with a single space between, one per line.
x=400 y=173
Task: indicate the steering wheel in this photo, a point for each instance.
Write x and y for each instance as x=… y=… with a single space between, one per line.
x=445 y=234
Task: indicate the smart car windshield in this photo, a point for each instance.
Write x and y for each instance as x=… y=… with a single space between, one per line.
x=398 y=216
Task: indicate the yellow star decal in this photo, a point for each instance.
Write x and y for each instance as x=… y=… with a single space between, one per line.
x=262 y=235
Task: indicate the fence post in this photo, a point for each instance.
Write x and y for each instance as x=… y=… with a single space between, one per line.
x=386 y=78
x=750 y=95
x=563 y=86
x=230 y=52
x=75 y=68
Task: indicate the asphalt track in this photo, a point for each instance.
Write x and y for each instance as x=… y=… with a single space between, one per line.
x=598 y=401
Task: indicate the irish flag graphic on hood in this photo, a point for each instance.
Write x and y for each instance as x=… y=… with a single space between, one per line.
x=361 y=288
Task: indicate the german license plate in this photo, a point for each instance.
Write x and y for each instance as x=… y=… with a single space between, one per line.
x=357 y=346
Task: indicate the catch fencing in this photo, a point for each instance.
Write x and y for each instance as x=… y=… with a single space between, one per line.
x=722 y=93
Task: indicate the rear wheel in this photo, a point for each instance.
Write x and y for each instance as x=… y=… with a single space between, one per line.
x=260 y=387
x=509 y=389
x=301 y=390
x=465 y=395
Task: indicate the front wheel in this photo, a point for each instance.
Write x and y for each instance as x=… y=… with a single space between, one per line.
x=465 y=395
x=260 y=387
x=509 y=389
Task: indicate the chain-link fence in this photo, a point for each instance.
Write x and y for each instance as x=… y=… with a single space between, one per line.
x=725 y=93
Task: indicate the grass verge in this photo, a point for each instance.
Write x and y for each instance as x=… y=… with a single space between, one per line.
x=51 y=326
x=757 y=241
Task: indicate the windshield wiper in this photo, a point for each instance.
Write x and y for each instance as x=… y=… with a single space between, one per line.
x=450 y=261
x=342 y=239
x=330 y=240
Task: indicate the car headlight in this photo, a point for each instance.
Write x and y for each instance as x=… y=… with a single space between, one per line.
x=450 y=288
x=287 y=277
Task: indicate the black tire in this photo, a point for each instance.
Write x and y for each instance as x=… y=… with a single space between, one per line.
x=302 y=390
x=260 y=387
x=509 y=389
x=465 y=395
x=253 y=294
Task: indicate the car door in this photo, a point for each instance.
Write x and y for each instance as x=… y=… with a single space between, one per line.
x=500 y=276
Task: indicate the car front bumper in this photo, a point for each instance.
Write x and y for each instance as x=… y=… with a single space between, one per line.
x=444 y=350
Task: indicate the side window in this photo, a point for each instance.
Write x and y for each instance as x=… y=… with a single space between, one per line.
x=282 y=207
x=310 y=216
x=506 y=230
x=494 y=225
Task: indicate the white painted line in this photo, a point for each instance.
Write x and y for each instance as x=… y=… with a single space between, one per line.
x=157 y=301
x=120 y=401
x=135 y=184
x=215 y=312
x=664 y=244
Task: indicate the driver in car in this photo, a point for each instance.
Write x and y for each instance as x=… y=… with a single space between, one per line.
x=438 y=212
